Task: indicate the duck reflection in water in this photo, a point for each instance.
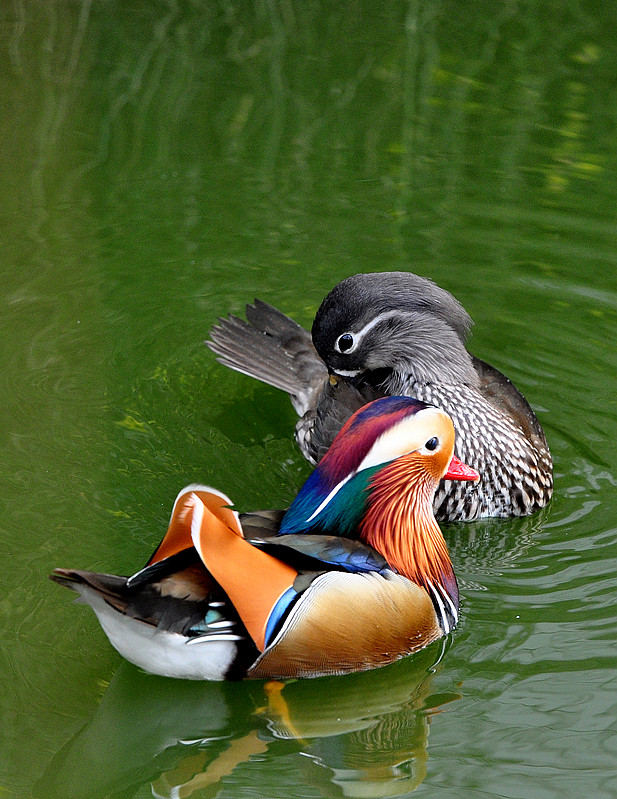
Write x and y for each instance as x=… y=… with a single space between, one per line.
x=367 y=733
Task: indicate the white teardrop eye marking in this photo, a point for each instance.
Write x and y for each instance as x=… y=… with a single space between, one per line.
x=345 y=342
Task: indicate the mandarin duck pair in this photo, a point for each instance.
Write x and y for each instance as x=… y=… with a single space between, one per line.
x=398 y=334
x=356 y=574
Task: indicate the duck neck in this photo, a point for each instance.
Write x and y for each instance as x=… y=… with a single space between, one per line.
x=399 y=523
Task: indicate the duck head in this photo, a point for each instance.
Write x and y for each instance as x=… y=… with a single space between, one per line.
x=394 y=321
x=392 y=448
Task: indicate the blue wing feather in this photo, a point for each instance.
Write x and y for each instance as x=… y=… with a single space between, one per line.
x=317 y=552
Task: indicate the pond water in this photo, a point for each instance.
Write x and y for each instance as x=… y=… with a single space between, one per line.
x=162 y=164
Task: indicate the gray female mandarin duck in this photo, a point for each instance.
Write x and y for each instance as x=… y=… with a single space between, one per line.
x=395 y=333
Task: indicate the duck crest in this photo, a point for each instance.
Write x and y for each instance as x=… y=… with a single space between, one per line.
x=399 y=524
x=332 y=497
x=362 y=430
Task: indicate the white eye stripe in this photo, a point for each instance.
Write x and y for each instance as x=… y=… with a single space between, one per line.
x=359 y=335
x=395 y=442
x=406 y=436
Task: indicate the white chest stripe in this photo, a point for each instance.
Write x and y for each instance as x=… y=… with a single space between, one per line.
x=444 y=607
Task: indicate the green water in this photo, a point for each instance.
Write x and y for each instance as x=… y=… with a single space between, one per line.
x=162 y=164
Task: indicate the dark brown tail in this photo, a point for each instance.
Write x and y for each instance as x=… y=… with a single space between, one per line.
x=108 y=585
x=272 y=348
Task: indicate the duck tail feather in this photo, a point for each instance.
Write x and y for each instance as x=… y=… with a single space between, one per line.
x=272 y=348
x=105 y=584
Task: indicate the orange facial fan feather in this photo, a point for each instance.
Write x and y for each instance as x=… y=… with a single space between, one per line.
x=405 y=531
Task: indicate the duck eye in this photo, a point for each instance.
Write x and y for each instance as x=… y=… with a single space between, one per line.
x=345 y=342
x=432 y=443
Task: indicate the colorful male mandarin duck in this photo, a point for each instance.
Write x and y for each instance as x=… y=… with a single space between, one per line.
x=354 y=575
x=395 y=333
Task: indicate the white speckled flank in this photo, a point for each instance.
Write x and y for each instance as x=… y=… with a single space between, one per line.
x=510 y=484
